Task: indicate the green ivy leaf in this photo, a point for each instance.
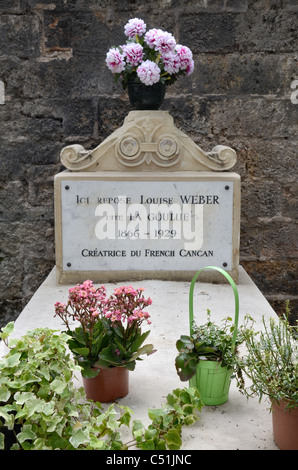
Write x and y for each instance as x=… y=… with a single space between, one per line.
x=156 y=413
x=8 y=418
x=26 y=433
x=40 y=444
x=125 y=417
x=97 y=444
x=23 y=397
x=147 y=445
x=34 y=405
x=58 y=386
x=7 y=330
x=79 y=438
x=4 y=393
x=161 y=445
x=173 y=439
x=12 y=359
x=137 y=429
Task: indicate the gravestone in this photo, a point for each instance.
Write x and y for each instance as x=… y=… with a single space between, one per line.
x=147 y=203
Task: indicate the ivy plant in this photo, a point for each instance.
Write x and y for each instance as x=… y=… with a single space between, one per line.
x=43 y=410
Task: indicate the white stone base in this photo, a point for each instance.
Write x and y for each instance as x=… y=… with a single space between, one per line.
x=238 y=424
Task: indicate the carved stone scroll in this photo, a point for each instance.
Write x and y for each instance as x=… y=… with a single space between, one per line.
x=148 y=140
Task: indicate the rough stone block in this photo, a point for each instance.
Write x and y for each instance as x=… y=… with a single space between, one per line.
x=266 y=159
x=10 y=310
x=258 y=117
x=268 y=31
x=236 y=6
x=90 y=77
x=191 y=115
x=252 y=74
x=281 y=276
x=289 y=207
x=13 y=195
x=12 y=6
x=78 y=118
x=259 y=200
x=20 y=35
x=208 y=32
x=84 y=32
x=48 y=80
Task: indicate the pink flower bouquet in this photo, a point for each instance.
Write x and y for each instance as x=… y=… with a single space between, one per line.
x=109 y=332
x=149 y=57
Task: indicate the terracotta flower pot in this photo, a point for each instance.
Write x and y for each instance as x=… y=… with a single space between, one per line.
x=108 y=385
x=285 y=426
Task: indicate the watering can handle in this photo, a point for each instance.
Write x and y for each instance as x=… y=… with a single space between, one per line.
x=233 y=285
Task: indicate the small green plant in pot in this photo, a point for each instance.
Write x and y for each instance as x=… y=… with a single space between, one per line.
x=208 y=356
x=271 y=364
x=109 y=339
x=209 y=359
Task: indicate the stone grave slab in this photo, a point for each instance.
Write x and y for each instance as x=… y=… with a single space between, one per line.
x=114 y=226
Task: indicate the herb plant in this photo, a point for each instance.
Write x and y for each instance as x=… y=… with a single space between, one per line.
x=271 y=362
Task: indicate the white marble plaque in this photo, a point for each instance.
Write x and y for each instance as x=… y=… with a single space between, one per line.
x=168 y=225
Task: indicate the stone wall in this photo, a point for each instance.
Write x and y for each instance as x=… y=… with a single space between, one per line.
x=58 y=91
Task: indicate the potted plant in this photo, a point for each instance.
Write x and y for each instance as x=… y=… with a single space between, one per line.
x=147 y=63
x=36 y=389
x=109 y=339
x=208 y=356
x=41 y=409
x=271 y=364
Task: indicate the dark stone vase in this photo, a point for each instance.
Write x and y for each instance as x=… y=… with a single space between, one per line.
x=146 y=97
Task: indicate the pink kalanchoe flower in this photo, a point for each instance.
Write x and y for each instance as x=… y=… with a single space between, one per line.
x=135 y=27
x=133 y=53
x=115 y=60
x=148 y=72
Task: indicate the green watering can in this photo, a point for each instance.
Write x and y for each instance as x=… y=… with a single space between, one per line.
x=211 y=379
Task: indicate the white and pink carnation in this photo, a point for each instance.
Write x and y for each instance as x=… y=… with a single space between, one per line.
x=115 y=60
x=190 y=67
x=148 y=72
x=133 y=52
x=151 y=36
x=171 y=63
x=154 y=54
x=135 y=27
x=164 y=42
x=185 y=56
